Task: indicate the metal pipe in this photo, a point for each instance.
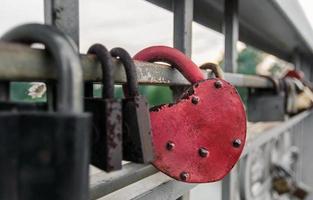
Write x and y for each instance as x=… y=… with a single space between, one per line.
x=21 y=63
x=104 y=183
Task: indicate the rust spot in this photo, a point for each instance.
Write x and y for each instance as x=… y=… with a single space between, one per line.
x=157 y=108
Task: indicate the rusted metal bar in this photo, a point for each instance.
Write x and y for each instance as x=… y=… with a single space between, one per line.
x=21 y=63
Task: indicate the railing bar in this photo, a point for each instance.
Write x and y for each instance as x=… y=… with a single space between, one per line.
x=105 y=183
x=34 y=65
x=274 y=132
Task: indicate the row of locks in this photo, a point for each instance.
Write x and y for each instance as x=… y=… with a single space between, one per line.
x=269 y=171
x=46 y=148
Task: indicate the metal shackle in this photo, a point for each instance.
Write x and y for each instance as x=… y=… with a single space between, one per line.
x=216 y=69
x=130 y=70
x=64 y=53
x=107 y=67
x=174 y=57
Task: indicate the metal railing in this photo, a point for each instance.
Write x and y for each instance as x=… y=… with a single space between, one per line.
x=31 y=64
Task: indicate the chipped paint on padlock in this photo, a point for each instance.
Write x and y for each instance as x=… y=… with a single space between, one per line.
x=216 y=123
x=208 y=116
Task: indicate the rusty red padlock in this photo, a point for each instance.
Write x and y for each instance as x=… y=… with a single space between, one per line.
x=199 y=138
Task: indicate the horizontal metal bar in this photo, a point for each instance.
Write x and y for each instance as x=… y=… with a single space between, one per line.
x=21 y=63
x=102 y=183
x=169 y=190
x=274 y=132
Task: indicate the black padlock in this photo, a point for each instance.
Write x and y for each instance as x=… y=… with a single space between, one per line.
x=137 y=138
x=106 y=140
x=45 y=155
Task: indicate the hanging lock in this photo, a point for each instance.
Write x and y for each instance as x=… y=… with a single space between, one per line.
x=137 y=141
x=200 y=137
x=264 y=99
x=283 y=182
x=106 y=140
x=44 y=155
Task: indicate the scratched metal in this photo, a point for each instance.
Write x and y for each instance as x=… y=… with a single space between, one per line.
x=31 y=64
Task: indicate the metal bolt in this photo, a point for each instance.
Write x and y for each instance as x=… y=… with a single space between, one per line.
x=195 y=100
x=184 y=176
x=218 y=84
x=203 y=152
x=237 y=143
x=170 y=145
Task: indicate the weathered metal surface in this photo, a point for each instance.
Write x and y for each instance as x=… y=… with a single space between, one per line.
x=64 y=15
x=216 y=122
x=137 y=139
x=207 y=124
x=106 y=140
x=106 y=146
x=34 y=64
x=137 y=136
x=102 y=183
x=46 y=153
x=231 y=32
x=259 y=104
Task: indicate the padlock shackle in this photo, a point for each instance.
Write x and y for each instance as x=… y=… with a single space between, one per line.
x=107 y=66
x=64 y=54
x=174 y=57
x=130 y=70
x=216 y=69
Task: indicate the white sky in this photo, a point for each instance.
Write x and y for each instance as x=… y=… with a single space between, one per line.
x=132 y=24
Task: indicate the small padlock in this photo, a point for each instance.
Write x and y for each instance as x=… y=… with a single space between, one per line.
x=200 y=137
x=284 y=183
x=291 y=96
x=106 y=140
x=261 y=99
x=137 y=141
x=45 y=155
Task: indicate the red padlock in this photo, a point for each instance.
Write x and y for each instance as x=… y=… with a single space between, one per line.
x=199 y=138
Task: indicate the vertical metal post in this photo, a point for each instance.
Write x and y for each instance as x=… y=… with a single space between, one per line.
x=64 y=14
x=230 y=185
x=183 y=17
x=231 y=31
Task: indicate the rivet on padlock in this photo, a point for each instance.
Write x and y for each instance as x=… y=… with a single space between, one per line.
x=137 y=141
x=106 y=141
x=207 y=125
x=45 y=155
